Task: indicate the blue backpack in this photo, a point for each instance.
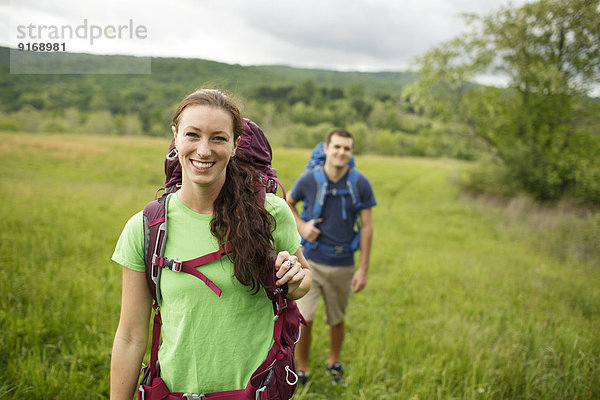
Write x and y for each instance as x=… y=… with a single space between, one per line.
x=315 y=165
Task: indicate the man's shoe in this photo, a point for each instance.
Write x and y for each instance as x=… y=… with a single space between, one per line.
x=302 y=378
x=336 y=371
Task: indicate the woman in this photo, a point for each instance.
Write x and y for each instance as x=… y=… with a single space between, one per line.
x=210 y=343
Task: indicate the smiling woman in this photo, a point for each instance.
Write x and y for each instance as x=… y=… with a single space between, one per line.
x=217 y=206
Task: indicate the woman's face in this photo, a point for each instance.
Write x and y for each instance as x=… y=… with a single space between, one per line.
x=205 y=142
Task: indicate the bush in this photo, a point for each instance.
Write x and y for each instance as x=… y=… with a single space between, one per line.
x=128 y=124
x=488 y=177
x=99 y=122
x=9 y=124
x=29 y=119
x=309 y=115
x=386 y=142
x=301 y=135
x=55 y=125
x=362 y=137
x=342 y=113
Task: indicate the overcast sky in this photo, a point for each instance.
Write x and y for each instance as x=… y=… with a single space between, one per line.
x=360 y=35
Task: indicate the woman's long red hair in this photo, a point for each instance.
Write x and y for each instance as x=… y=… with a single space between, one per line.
x=239 y=217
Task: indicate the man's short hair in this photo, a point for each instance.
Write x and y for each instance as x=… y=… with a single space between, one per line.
x=342 y=133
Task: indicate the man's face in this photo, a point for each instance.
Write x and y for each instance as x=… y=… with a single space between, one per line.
x=339 y=151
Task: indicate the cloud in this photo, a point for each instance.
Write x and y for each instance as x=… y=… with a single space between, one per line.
x=334 y=34
x=364 y=34
x=376 y=32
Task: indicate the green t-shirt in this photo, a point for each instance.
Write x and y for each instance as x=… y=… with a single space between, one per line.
x=209 y=343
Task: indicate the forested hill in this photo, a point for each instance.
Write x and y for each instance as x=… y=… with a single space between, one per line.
x=170 y=79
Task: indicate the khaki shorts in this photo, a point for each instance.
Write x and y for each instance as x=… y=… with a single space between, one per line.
x=333 y=283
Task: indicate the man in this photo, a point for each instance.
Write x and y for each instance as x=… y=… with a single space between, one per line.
x=330 y=240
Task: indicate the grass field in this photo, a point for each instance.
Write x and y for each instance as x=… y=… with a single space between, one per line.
x=459 y=305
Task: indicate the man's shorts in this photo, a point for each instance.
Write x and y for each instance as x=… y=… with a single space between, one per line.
x=333 y=283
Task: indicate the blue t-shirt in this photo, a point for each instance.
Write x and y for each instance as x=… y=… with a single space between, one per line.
x=335 y=231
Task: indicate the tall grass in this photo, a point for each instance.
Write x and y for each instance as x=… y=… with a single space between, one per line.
x=566 y=229
x=458 y=305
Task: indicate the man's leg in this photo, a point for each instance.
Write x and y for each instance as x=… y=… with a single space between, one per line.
x=336 y=339
x=336 y=295
x=303 y=347
x=308 y=307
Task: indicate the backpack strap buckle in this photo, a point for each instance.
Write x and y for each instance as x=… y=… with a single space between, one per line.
x=163 y=262
x=281 y=305
x=156 y=264
x=174 y=265
x=192 y=396
x=340 y=249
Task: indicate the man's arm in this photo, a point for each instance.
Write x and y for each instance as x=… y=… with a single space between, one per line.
x=306 y=228
x=359 y=281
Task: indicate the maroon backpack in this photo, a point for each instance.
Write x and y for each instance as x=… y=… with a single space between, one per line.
x=276 y=377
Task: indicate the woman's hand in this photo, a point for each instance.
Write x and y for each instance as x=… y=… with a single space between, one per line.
x=293 y=270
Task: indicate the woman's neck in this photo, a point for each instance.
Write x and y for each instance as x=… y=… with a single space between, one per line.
x=197 y=198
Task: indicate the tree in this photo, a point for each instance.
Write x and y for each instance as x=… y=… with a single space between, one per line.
x=549 y=51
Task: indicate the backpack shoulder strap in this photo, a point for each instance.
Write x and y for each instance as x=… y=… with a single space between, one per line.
x=352 y=182
x=321 y=180
x=322 y=185
x=155 y=234
x=353 y=189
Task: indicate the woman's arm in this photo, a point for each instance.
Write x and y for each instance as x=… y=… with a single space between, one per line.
x=293 y=270
x=132 y=335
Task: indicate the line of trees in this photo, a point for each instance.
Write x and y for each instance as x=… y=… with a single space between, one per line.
x=293 y=114
x=383 y=123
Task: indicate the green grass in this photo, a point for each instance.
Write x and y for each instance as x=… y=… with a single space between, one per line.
x=459 y=305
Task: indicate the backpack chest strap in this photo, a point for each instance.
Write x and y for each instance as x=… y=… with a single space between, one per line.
x=189 y=266
x=338 y=192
